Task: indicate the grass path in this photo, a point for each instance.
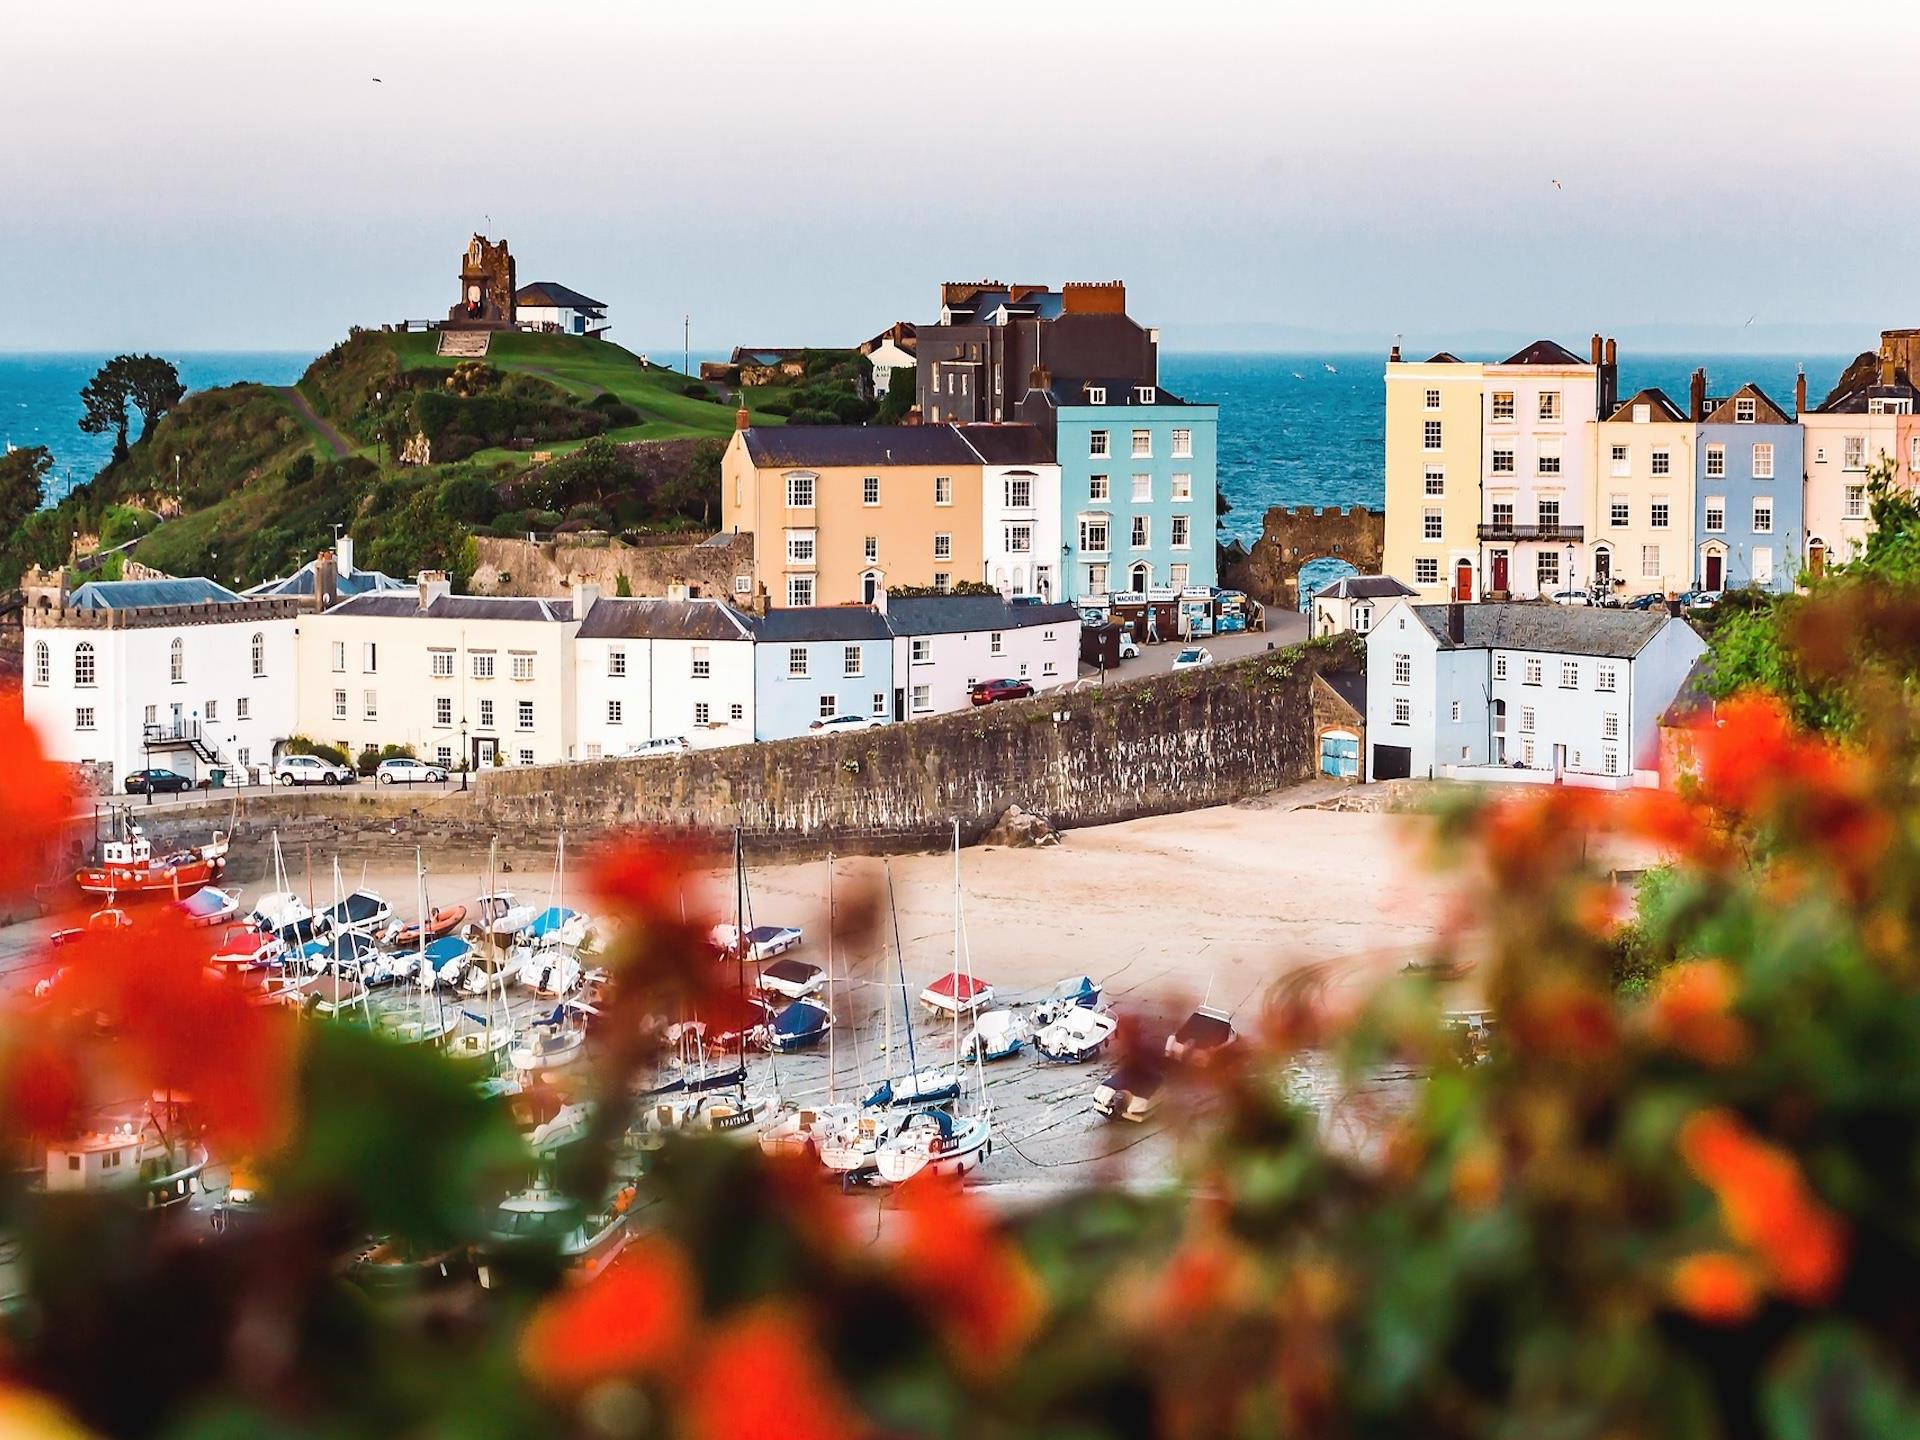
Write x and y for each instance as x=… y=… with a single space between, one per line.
x=331 y=440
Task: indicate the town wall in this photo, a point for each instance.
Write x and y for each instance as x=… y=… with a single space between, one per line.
x=1290 y=537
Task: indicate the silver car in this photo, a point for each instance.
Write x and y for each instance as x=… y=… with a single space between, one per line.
x=405 y=770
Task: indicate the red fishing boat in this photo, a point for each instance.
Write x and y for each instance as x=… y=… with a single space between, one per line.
x=128 y=868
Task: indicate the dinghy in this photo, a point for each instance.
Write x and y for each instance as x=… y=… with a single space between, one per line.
x=1076 y=1036
x=800 y=1026
x=208 y=907
x=996 y=1035
x=957 y=994
x=794 y=979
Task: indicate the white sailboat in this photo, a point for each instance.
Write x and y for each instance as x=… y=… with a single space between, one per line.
x=801 y=1131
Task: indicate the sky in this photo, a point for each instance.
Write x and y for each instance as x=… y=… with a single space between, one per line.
x=215 y=175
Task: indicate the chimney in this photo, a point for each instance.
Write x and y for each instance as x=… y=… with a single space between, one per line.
x=741 y=420
x=760 y=602
x=1038 y=378
x=1697 y=396
x=880 y=598
x=677 y=588
x=433 y=584
x=326 y=580
x=1457 y=622
x=1800 y=392
x=1393 y=356
x=1888 y=370
x=584 y=593
x=1613 y=352
x=1598 y=351
x=345 y=547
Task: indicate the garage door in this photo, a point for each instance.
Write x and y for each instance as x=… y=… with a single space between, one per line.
x=1340 y=755
x=1392 y=762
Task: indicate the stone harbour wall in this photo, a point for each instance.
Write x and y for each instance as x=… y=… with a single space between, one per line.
x=546 y=567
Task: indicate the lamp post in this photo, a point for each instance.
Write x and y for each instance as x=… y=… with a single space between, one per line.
x=465 y=758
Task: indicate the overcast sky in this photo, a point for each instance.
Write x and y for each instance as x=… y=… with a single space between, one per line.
x=203 y=174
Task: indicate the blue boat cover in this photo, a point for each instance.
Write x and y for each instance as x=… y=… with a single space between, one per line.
x=800 y=1019
x=549 y=920
x=206 y=902
x=447 y=947
x=1081 y=990
x=940 y=1118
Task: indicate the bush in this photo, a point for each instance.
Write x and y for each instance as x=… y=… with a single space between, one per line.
x=301 y=745
x=370 y=758
x=509 y=524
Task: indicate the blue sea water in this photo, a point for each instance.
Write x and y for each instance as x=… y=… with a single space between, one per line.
x=1294 y=429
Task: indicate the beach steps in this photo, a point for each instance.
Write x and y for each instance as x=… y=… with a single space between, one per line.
x=465 y=344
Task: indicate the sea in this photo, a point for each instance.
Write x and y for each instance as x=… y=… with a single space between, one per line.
x=1295 y=429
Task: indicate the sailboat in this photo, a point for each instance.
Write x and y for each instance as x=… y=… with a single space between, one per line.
x=938 y=1141
x=424 y=1026
x=917 y=1086
x=802 y=1131
x=545 y=946
x=553 y=1041
x=490 y=1037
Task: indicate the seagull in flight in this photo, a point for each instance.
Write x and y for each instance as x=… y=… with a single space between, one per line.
x=1558 y=186
x=378 y=81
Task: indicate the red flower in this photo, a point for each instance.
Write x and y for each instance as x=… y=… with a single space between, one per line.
x=1750 y=750
x=1679 y=826
x=42 y=1092
x=638 y=878
x=1561 y=1016
x=34 y=803
x=631 y=1319
x=1765 y=1204
x=984 y=1299
x=1690 y=1009
x=759 y=1377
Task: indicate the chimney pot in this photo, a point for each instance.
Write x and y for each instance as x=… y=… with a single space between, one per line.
x=1393 y=356
x=1613 y=352
x=741 y=420
x=1598 y=350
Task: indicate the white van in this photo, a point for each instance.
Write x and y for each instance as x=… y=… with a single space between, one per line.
x=664 y=745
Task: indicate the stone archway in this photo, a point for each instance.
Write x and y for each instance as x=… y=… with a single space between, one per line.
x=1291 y=539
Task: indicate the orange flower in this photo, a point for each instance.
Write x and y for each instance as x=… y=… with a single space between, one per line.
x=1765 y=1204
x=1207 y=1273
x=638 y=878
x=1689 y=1012
x=631 y=1319
x=760 y=1377
x=25 y=1415
x=1715 y=1286
x=985 y=1300
x=1746 y=755
x=1563 y=1016
x=34 y=803
x=1530 y=836
x=1679 y=826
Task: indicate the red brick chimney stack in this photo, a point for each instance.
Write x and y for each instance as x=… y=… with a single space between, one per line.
x=1393 y=356
x=1800 y=393
x=1598 y=351
x=741 y=420
x=1697 y=396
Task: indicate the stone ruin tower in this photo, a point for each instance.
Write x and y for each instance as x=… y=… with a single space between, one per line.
x=486 y=287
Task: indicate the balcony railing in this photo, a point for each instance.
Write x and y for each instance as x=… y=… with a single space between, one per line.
x=1499 y=531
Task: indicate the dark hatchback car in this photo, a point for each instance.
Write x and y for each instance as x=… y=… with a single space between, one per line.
x=157 y=782
x=988 y=691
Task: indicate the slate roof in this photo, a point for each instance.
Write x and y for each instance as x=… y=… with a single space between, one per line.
x=1365 y=587
x=360 y=582
x=1664 y=409
x=139 y=594
x=1765 y=412
x=1544 y=352
x=1692 y=702
x=456 y=607
x=561 y=297
x=1014 y=444
x=950 y=614
x=1119 y=392
x=624 y=619
x=1444 y=357
x=764 y=354
x=821 y=622
x=830 y=446
x=1350 y=686
x=1550 y=629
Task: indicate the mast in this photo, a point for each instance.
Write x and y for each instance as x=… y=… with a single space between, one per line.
x=900 y=963
x=830 y=1026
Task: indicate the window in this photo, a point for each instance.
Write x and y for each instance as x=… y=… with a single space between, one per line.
x=1530 y=672
x=799 y=492
x=1763 y=515
x=1619 y=466
x=1618 y=511
x=1549 y=457
x=827 y=708
x=243 y=708
x=258 y=646
x=1763 y=461
x=922 y=652
x=1503 y=459
x=370 y=704
x=213 y=710
x=1611 y=759
x=1096 y=442
x=1526 y=719
x=1662 y=462
x=1610 y=726
x=1093 y=536
x=523 y=667
x=1142 y=488
x=1096 y=579
x=1403 y=669
x=1019 y=493
x=1503 y=514
x=486 y=714
x=743 y=584
x=1549 y=405
x=1660 y=513
x=1142 y=532
x=923 y=697
x=1499 y=667
x=1454 y=712
x=1854 y=453
x=870 y=549
x=1402 y=710
x=1433 y=399
x=879 y=702
x=870 y=490
x=339 y=655
x=177 y=661
x=83 y=718
x=942 y=581
x=443 y=710
x=796 y=662
x=1182 y=442
x=1547 y=508
x=943 y=489
x=1177 y=536
x=1426 y=571
x=443 y=755
x=370 y=658
x=526 y=757
x=851 y=660
x=1436 y=480
x=1503 y=405
x=943 y=547
x=1019 y=539
x=616 y=663
x=1431 y=432
x=42 y=663
x=1098 y=489
x=1430 y=524
x=1856 y=502
x=1096 y=394
x=702 y=713
x=483 y=665
x=1603 y=676
x=1716 y=461
x=1650 y=562
x=1714 y=518
x=1142 y=443
x=800 y=547
x=1177 y=576
x=1569 y=674
x=1763 y=564
x=440 y=662
x=996 y=643
x=1744 y=411
x=525 y=714
x=799 y=590
x=153 y=714
x=339 y=704
x=737 y=712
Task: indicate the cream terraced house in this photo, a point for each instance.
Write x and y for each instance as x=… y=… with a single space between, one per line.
x=1433 y=463
x=480 y=678
x=1641 y=525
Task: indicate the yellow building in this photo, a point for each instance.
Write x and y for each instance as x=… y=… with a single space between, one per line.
x=1433 y=475
x=1642 y=522
x=839 y=511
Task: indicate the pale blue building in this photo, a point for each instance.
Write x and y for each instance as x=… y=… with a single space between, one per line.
x=816 y=662
x=1749 y=520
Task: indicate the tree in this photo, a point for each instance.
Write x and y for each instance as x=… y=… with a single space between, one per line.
x=129 y=382
x=153 y=385
x=22 y=488
x=105 y=398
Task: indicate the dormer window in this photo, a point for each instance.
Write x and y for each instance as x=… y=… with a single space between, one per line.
x=1744 y=412
x=1096 y=394
x=1146 y=393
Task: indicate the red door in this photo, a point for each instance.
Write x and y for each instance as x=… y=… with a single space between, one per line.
x=1500 y=571
x=1713 y=573
x=1463 y=582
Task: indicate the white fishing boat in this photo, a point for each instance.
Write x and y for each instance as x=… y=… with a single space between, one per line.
x=996 y=1035
x=499 y=914
x=1076 y=1036
x=542 y=1218
x=793 y=979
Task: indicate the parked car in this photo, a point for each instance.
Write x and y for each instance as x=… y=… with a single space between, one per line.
x=157 y=782
x=661 y=745
x=848 y=722
x=1572 y=597
x=310 y=770
x=1129 y=647
x=988 y=691
x=404 y=770
x=1646 y=602
x=1700 y=599
x=1192 y=658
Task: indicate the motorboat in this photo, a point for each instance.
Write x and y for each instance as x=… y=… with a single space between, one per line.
x=1201 y=1036
x=542 y=1219
x=326 y=995
x=389 y=1266
x=102 y=921
x=278 y=909
x=344 y=950
x=922 y=1087
x=794 y=979
x=762 y=943
x=445 y=960
x=935 y=1142
x=1079 y=991
x=955 y=993
x=241 y=947
x=556 y=925
x=128 y=868
x=362 y=912
x=1130 y=1093
x=1076 y=1036
x=996 y=1035
x=488 y=968
x=208 y=906
x=550 y=970
x=409 y=1029
x=142 y=1158
x=442 y=922
x=499 y=914
x=800 y=1026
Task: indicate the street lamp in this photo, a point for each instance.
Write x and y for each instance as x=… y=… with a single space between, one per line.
x=465 y=758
